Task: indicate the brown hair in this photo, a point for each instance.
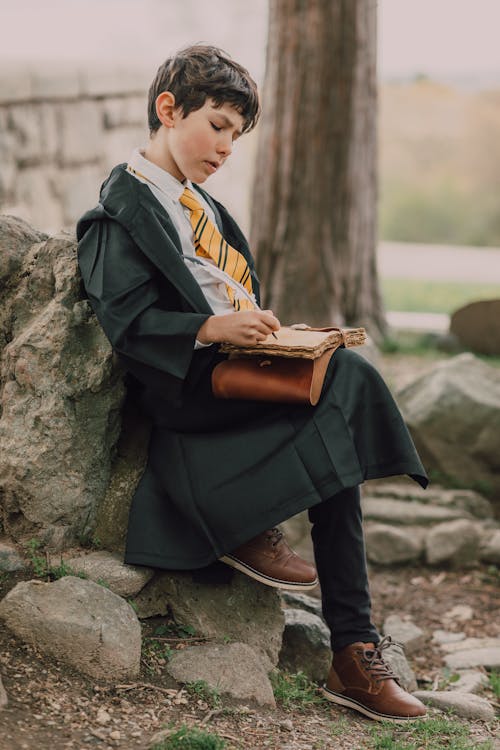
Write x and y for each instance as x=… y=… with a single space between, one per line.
x=199 y=72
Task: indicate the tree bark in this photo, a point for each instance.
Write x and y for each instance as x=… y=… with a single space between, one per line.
x=314 y=202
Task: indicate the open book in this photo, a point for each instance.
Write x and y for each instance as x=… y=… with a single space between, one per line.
x=301 y=341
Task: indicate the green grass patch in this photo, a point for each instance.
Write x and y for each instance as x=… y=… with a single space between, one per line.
x=340 y=727
x=438 y=733
x=412 y=343
x=295 y=690
x=416 y=295
x=192 y=738
x=42 y=566
x=202 y=690
x=494 y=678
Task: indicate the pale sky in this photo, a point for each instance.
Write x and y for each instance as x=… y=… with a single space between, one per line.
x=447 y=37
x=439 y=36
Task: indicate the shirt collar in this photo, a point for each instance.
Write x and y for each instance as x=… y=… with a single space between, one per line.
x=145 y=171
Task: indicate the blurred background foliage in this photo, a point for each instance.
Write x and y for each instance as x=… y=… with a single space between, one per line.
x=439 y=164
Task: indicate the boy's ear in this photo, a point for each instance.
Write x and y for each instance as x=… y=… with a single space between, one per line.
x=165 y=108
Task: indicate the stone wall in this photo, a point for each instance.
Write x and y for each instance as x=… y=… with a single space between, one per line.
x=61 y=130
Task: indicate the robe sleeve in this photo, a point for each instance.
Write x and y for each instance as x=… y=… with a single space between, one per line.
x=122 y=288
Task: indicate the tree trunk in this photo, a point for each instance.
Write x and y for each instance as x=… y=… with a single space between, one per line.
x=314 y=202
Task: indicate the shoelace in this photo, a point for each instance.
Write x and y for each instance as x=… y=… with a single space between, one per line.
x=374 y=662
x=274 y=536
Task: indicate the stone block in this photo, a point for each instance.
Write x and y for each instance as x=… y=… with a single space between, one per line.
x=390 y=545
x=15 y=83
x=24 y=122
x=474 y=657
x=96 y=81
x=244 y=610
x=49 y=131
x=490 y=548
x=470 y=643
x=468 y=500
x=234 y=669
x=118 y=144
x=469 y=681
x=125 y=111
x=36 y=191
x=455 y=543
x=51 y=81
x=443 y=637
x=108 y=568
x=407 y=512
x=462 y=704
x=8 y=165
x=306 y=645
x=405 y=632
x=81 y=133
x=77 y=622
x=77 y=189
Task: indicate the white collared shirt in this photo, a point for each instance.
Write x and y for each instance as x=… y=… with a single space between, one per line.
x=168 y=190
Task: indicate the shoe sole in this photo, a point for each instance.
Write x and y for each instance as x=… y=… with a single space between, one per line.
x=351 y=703
x=276 y=583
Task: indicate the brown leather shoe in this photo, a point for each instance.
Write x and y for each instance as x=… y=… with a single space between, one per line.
x=268 y=558
x=360 y=679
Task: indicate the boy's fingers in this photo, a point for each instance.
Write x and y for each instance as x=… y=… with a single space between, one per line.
x=271 y=320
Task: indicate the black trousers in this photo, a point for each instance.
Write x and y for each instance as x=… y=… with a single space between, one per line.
x=339 y=551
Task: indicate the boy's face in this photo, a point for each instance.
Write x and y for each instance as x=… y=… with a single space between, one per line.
x=196 y=146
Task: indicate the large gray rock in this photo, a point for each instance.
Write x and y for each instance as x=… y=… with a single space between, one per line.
x=390 y=545
x=244 y=610
x=453 y=412
x=455 y=543
x=477 y=326
x=60 y=395
x=306 y=645
x=108 y=568
x=490 y=548
x=78 y=622
x=234 y=669
x=405 y=632
x=463 y=704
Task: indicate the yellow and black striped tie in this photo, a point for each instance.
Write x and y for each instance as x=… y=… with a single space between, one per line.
x=209 y=243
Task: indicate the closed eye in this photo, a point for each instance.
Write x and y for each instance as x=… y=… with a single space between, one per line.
x=215 y=127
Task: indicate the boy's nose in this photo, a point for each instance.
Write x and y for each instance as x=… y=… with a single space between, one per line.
x=225 y=147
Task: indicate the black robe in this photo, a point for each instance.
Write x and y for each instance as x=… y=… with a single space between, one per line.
x=218 y=472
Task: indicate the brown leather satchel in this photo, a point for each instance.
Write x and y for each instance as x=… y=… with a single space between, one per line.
x=253 y=374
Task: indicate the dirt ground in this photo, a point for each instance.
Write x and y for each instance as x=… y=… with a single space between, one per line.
x=51 y=707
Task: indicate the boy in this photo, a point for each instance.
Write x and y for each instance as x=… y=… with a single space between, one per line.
x=170 y=275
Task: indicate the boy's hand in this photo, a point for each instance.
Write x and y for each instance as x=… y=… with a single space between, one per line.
x=240 y=328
